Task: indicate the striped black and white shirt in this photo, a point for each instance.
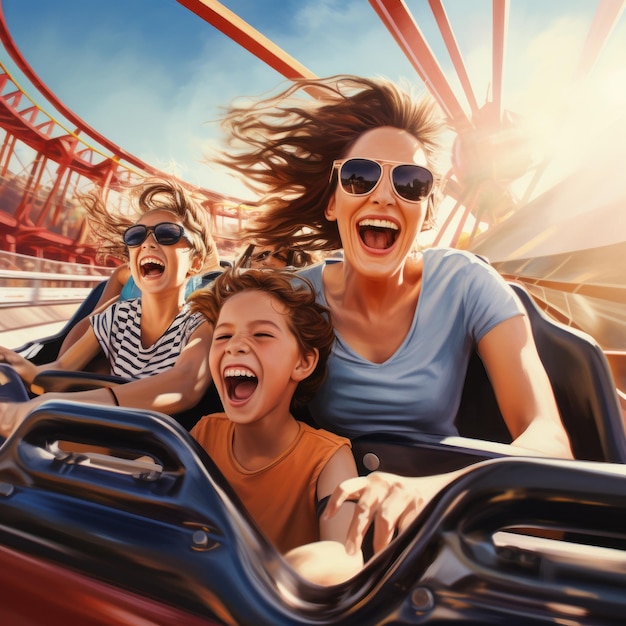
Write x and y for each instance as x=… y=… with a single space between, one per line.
x=118 y=331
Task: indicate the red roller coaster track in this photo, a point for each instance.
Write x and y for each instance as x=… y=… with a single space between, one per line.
x=36 y=202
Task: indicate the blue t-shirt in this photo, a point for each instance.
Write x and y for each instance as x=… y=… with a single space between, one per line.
x=418 y=389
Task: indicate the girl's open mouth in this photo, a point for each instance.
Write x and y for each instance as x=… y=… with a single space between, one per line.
x=151 y=266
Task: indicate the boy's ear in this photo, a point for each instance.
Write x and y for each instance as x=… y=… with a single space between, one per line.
x=306 y=365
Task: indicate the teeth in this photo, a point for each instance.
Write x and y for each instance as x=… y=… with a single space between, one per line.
x=379 y=224
x=152 y=260
x=231 y=372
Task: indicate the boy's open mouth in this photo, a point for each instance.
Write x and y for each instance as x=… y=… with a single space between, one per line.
x=240 y=383
x=378 y=234
x=151 y=266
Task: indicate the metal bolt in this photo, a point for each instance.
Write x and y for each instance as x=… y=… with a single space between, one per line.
x=422 y=599
x=371 y=461
x=200 y=539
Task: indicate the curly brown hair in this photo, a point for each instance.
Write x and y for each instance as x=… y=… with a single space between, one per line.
x=150 y=195
x=308 y=320
x=283 y=148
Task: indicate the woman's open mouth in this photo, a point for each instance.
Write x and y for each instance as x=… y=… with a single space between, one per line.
x=240 y=383
x=378 y=234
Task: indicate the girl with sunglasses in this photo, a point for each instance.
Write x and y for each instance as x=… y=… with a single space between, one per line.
x=153 y=340
x=355 y=169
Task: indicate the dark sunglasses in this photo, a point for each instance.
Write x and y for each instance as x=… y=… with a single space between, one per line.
x=261 y=256
x=359 y=176
x=165 y=234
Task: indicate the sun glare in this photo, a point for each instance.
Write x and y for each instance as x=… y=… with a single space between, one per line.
x=614 y=88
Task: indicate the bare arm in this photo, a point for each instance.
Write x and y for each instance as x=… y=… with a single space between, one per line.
x=180 y=387
x=523 y=389
x=327 y=562
x=340 y=467
x=172 y=391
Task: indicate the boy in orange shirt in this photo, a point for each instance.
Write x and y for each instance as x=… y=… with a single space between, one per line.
x=268 y=354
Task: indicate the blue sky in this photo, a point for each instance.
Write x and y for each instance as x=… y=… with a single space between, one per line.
x=152 y=76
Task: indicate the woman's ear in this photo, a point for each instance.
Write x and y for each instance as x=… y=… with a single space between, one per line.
x=306 y=365
x=329 y=212
x=429 y=218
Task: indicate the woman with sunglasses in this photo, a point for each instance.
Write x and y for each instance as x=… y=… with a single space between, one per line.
x=355 y=169
x=152 y=340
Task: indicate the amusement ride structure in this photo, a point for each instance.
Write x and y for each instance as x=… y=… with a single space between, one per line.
x=112 y=515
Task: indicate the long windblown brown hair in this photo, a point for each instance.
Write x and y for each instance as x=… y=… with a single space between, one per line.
x=308 y=320
x=149 y=195
x=283 y=148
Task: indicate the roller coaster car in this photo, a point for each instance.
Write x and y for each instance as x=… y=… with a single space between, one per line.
x=100 y=539
x=96 y=539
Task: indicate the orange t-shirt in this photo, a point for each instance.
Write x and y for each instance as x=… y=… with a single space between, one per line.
x=282 y=496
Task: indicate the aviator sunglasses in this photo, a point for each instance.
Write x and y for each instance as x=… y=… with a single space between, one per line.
x=165 y=234
x=359 y=177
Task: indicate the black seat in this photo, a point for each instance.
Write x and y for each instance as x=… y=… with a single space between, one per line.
x=45 y=350
x=583 y=386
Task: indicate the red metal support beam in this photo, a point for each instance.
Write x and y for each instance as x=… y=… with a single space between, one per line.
x=607 y=14
x=500 y=25
x=400 y=23
x=249 y=38
x=449 y=39
x=15 y=54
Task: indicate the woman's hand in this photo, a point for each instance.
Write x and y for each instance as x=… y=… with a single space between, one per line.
x=389 y=501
